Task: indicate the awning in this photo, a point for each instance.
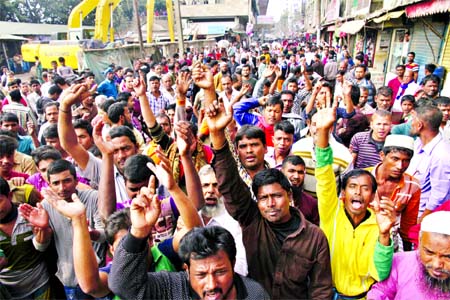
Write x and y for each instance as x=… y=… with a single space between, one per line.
x=10 y=37
x=427 y=8
x=352 y=27
x=331 y=28
x=388 y=16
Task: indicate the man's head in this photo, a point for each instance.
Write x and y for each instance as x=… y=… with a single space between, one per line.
x=292 y=85
x=251 y=146
x=167 y=82
x=119 y=114
x=54 y=92
x=223 y=68
x=136 y=174
x=443 y=103
x=227 y=83
x=408 y=76
x=154 y=84
x=164 y=121
x=381 y=124
x=246 y=71
x=43 y=157
x=8 y=146
x=273 y=110
x=287 y=97
x=16 y=96
x=434 y=252
x=12 y=86
x=396 y=156
x=51 y=112
x=274 y=195
x=116 y=227
x=283 y=138
x=62 y=178
x=360 y=72
x=129 y=82
x=359 y=190
x=208 y=255
x=10 y=122
x=383 y=98
x=83 y=130
x=62 y=61
x=35 y=86
x=411 y=56
x=429 y=69
x=426 y=118
x=364 y=95
x=431 y=86
x=294 y=169
x=51 y=137
x=400 y=71
x=124 y=143
x=213 y=199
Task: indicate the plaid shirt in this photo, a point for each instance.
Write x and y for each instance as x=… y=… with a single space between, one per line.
x=158 y=104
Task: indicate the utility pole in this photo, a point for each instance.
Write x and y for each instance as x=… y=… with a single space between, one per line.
x=179 y=27
x=138 y=24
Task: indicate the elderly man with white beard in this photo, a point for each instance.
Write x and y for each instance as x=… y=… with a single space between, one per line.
x=215 y=214
x=421 y=274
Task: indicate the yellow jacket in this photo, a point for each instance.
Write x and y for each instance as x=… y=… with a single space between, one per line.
x=357 y=259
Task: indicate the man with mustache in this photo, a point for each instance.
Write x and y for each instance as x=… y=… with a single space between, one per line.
x=424 y=273
x=215 y=214
x=359 y=237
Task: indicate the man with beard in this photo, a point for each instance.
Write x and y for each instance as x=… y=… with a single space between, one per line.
x=294 y=169
x=424 y=273
x=443 y=103
x=431 y=86
x=366 y=146
x=215 y=214
x=218 y=77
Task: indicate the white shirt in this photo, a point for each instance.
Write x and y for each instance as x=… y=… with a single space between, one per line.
x=226 y=221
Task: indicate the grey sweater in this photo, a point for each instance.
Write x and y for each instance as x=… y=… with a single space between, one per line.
x=129 y=278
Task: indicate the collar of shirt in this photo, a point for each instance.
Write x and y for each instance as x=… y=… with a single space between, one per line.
x=428 y=148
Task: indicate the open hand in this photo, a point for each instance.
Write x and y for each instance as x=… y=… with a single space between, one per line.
x=70 y=210
x=37 y=216
x=202 y=76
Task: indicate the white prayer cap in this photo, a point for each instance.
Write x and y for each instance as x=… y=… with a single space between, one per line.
x=437 y=222
x=400 y=141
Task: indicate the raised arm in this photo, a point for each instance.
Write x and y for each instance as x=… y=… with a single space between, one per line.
x=312 y=100
x=66 y=132
x=188 y=212
x=140 y=90
x=183 y=82
x=91 y=281
x=185 y=139
x=106 y=189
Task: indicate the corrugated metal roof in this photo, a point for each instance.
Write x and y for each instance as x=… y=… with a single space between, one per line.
x=428 y=8
x=17 y=28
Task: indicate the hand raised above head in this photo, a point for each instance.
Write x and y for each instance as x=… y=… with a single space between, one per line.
x=217 y=117
x=139 y=86
x=202 y=76
x=74 y=94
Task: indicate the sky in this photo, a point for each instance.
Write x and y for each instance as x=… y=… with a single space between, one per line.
x=274 y=9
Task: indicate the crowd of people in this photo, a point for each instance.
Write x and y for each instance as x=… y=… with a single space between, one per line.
x=226 y=174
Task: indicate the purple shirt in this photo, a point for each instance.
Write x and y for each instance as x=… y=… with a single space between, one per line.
x=431 y=166
x=39 y=182
x=405 y=282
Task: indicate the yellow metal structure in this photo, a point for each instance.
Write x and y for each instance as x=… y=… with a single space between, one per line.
x=150 y=20
x=50 y=52
x=80 y=12
x=103 y=20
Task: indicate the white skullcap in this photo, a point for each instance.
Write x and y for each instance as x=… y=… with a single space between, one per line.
x=399 y=140
x=438 y=222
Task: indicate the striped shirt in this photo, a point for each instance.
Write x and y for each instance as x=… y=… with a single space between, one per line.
x=366 y=149
x=158 y=104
